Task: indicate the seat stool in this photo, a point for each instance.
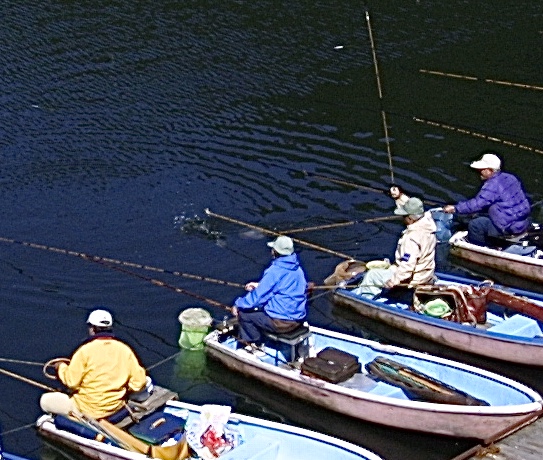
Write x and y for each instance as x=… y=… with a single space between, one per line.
x=292 y=339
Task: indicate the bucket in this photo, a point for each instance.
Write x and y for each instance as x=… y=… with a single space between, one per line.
x=195 y=323
x=437 y=308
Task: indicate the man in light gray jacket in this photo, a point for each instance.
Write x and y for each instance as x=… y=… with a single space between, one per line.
x=415 y=253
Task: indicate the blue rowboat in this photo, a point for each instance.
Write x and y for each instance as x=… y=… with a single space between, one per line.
x=507 y=323
x=252 y=438
x=493 y=405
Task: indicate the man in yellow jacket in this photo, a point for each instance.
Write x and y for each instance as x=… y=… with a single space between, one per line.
x=100 y=373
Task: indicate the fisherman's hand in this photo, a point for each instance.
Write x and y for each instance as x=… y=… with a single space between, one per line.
x=251 y=285
x=234 y=311
x=449 y=209
x=389 y=284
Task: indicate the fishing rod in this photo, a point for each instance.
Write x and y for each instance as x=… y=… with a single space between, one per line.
x=362 y=187
x=380 y=92
x=476 y=134
x=272 y=232
x=118 y=262
x=27 y=380
x=160 y=283
x=341 y=224
x=486 y=80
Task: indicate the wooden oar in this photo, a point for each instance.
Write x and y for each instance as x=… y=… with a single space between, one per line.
x=272 y=232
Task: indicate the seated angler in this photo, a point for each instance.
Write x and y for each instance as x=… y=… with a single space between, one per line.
x=502 y=197
x=102 y=372
x=277 y=303
x=414 y=258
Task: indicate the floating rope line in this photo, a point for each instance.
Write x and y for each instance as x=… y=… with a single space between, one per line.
x=476 y=134
x=15 y=430
x=118 y=262
x=486 y=80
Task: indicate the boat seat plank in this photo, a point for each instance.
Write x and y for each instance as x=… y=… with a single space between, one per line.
x=256 y=448
x=518 y=325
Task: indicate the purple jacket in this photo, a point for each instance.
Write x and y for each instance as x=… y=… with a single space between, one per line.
x=504 y=198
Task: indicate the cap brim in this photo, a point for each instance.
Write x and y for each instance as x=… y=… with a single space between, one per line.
x=270 y=244
x=479 y=165
x=400 y=212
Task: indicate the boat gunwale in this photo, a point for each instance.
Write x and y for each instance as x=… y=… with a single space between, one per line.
x=530 y=407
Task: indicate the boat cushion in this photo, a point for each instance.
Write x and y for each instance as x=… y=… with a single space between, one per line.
x=157 y=427
x=518 y=325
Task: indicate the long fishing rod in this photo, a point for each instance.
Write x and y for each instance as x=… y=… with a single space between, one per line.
x=363 y=187
x=27 y=380
x=340 y=224
x=486 y=80
x=476 y=134
x=272 y=232
x=160 y=283
x=380 y=92
x=118 y=262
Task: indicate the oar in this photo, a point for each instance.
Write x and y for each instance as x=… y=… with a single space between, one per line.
x=271 y=232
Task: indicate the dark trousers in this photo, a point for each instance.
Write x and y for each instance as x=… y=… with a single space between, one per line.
x=480 y=228
x=253 y=322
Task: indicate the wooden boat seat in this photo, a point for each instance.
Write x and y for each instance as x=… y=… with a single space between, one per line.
x=256 y=448
x=518 y=325
x=293 y=339
x=157 y=399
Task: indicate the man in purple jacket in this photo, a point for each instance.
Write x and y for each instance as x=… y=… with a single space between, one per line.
x=502 y=196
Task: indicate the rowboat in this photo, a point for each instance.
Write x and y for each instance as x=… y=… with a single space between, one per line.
x=412 y=391
x=525 y=261
x=243 y=438
x=502 y=323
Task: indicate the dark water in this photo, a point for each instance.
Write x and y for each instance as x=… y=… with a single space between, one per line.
x=120 y=122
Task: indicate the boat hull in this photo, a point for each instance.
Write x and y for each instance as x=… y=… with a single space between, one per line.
x=461 y=337
x=522 y=266
x=262 y=439
x=485 y=424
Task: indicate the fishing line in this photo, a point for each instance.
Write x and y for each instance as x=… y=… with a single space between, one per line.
x=17 y=361
x=118 y=262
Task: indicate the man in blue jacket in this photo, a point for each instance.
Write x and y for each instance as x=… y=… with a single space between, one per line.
x=502 y=196
x=277 y=303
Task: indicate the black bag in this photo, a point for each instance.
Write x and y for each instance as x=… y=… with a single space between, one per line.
x=332 y=365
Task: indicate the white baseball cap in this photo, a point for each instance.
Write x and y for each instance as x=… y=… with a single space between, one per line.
x=488 y=160
x=282 y=245
x=100 y=318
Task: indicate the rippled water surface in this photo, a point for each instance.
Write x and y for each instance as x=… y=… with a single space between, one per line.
x=120 y=122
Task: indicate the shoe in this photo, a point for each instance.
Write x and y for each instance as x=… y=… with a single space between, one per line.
x=255 y=350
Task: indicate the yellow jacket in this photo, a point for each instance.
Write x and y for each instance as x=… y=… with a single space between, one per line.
x=100 y=373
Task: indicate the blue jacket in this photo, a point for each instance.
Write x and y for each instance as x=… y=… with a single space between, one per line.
x=281 y=291
x=504 y=198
